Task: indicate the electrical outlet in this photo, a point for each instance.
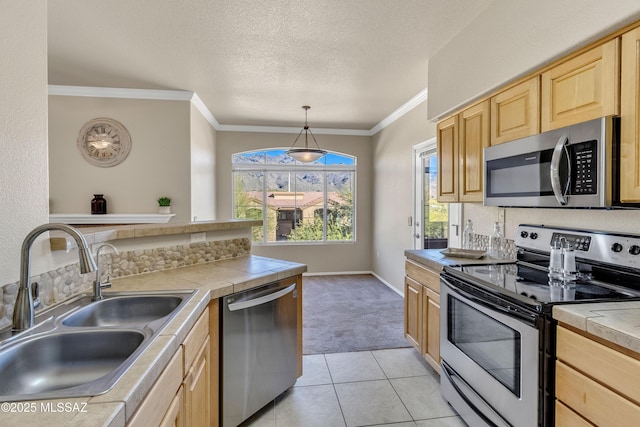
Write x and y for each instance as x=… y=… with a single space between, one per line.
x=198 y=237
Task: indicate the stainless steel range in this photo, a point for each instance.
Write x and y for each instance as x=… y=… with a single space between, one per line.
x=497 y=338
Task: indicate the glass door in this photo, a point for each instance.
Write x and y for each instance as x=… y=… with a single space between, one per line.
x=432 y=219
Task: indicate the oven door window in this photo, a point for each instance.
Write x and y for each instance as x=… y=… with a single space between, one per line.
x=491 y=344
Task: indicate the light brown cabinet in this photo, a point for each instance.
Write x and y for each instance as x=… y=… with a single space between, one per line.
x=595 y=383
x=582 y=88
x=183 y=394
x=422 y=311
x=447 y=148
x=630 y=118
x=461 y=141
x=515 y=112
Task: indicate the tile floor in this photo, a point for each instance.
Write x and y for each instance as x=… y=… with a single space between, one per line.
x=392 y=387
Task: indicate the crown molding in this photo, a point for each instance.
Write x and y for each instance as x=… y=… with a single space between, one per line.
x=182 y=95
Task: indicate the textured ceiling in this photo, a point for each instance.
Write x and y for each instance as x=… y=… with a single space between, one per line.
x=257 y=62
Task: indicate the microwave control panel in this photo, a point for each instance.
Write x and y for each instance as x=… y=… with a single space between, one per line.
x=584 y=160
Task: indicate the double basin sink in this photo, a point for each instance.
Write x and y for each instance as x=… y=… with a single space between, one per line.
x=82 y=347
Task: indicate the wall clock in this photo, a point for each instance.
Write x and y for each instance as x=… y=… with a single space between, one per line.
x=104 y=142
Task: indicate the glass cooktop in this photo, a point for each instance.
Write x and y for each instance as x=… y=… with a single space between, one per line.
x=534 y=284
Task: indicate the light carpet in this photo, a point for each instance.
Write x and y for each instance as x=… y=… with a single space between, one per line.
x=346 y=313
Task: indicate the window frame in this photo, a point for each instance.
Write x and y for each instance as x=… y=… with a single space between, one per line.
x=296 y=166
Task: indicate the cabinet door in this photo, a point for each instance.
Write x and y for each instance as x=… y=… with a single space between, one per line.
x=583 y=88
x=515 y=112
x=431 y=310
x=447 y=147
x=630 y=114
x=197 y=387
x=413 y=292
x=473 y=139
x=174 y=415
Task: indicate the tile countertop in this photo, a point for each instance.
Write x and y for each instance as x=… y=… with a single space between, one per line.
x=112 y=409
x=434 y=259
x=616 y=322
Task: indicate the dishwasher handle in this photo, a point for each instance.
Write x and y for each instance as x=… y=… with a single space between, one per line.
x=242 y=305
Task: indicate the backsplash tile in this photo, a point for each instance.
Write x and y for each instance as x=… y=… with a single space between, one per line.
x=65 y=282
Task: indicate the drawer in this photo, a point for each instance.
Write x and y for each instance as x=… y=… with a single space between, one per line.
x=607 y=366
x=426 y=277
x=593 y=401
x=195 y=338
x=565 y=417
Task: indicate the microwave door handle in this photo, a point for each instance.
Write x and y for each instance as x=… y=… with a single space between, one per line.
x=560 y=193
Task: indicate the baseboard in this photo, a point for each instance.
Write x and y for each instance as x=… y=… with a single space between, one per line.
x=346 y=273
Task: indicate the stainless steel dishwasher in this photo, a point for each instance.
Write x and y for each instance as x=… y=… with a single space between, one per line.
x=259 y=348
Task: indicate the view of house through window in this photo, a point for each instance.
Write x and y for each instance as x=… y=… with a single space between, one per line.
x=298 y=202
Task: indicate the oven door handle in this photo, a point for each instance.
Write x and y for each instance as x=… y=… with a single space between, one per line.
x=510 y=310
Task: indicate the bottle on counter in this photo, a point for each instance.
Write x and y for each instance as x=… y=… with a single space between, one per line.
x=98 y=205
x=468 y=236
x=496 y=242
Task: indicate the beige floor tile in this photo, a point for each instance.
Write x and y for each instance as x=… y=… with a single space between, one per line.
x=311 y=406
x=402 y=362
x=371 y=402
x=421 y=396
x=356 y=366
x=314 y=371
x=442 y=422
x=409 y=424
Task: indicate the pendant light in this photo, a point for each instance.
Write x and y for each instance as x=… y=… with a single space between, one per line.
x=306 y=154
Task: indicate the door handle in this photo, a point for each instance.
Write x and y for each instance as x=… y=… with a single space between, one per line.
x=261 y=300
x=560 y=193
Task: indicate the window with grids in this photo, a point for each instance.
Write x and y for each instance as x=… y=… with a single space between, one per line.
x=297 y=202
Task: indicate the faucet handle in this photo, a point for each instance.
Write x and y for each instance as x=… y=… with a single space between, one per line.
x=106 y=284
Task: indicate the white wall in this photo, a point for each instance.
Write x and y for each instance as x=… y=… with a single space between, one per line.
x=23 y=128
x=159 y=163
x=203 y=168
x=513 y=37
x=338 y=257
x=393 y=165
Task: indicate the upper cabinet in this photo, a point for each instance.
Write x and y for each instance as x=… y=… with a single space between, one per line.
x=630 y=118
x=515 y=112
x=461 y=141
x=582 y=88
x=447 y=148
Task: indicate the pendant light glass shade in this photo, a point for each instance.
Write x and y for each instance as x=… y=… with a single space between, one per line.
x=306 y=154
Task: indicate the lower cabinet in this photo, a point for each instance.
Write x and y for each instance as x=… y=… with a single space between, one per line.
x=182 y=396
x=595 y=383
x=422 y=311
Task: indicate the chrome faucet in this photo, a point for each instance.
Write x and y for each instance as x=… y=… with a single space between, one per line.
x=23 y=311
x=98 y=286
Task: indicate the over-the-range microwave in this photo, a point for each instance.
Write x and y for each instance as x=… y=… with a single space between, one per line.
x=575 y=167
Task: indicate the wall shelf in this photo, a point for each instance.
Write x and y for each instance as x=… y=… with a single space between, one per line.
x=79 y=218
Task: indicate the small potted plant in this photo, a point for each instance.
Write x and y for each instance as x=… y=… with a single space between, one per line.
x=164 y=205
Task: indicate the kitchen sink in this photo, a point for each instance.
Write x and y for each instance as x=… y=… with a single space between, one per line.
x=65 y=360
x=83 y=347
x=124 y=310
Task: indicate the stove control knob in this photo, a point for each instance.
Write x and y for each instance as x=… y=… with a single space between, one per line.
x=524 y=234
x=534 y=236
x=616 y=247
x=634 y=250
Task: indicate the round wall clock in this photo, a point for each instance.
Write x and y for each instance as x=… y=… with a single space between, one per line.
x=104 y=142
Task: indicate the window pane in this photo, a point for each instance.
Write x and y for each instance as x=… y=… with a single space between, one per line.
x=281 y=203
x=340 y=206
x=248 y=199
x=249 y=158
x=310 y=198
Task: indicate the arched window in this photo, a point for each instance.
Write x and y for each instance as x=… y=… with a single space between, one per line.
x=297 y=202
